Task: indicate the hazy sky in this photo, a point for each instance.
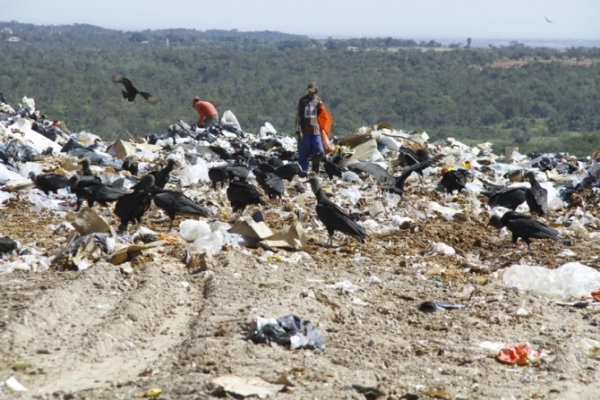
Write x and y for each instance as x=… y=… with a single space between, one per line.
x=408 y=19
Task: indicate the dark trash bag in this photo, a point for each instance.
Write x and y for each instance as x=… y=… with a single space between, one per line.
x=290 y=330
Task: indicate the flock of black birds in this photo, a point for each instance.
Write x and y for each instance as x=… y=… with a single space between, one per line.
x=270 y=173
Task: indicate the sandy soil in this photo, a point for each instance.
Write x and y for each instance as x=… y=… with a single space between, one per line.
x=111 y=332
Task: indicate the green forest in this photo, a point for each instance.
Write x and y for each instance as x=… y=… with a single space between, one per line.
x=538 y=99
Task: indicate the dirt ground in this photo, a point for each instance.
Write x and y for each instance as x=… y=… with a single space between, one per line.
x=111 y=332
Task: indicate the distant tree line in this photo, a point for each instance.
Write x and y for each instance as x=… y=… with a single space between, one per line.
x=535 y=98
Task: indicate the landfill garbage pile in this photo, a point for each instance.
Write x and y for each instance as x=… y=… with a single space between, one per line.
x=430 y=269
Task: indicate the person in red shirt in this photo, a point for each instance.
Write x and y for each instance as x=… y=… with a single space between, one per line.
x=207 y=113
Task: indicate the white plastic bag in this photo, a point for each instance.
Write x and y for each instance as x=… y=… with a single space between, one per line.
x=569 y=280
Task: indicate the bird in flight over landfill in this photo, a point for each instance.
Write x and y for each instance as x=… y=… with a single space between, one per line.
x=548 y=20
x=131 y=91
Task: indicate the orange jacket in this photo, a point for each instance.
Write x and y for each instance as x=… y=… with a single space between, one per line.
x=325 y=120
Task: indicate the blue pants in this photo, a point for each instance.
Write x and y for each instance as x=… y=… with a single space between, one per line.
x=309 y=146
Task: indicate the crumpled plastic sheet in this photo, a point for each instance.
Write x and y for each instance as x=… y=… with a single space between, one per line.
x=439 y=248
x=40 y=201
x=447 y=212
x=352 y=194
x=194 y=173
x=215 y=241
x=572 y=279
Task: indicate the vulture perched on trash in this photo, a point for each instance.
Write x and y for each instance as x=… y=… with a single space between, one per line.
x=536 y=196
x=242 y=194
x=133 y=206
x=218 y=175
x=49 y=182
x=288 y=171
x=333 y=216
x=131 y=91
x=86 y=172
x=94 y=192
x=176 y=203
x=455 y=180
x=161 y=177
x=375 y=170
x=238 y=170
x=272 y=184
x=410 y=157
x=525 y=227
x=331 y=168
x=398 y=183
x=511 y=198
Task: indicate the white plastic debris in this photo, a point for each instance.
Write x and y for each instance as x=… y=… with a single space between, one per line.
x=28 y=167
x=345 y=287
x=359 y=302
x=397 y=221
x=590 y=348
x=28 y=103
x=352 y=194
x=350 y=176
x=194 y=173
x=191 y=230
x=447 y=212
x=267 y=130
x=569 y=280
x=230 y=119
x=14 y=384
x=392 y=199
x=212 y=243
x=439 y=248
x=373 y=280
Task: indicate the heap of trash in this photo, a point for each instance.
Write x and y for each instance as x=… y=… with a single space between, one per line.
x=460 y=183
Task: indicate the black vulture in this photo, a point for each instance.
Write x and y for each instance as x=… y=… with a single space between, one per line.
x=399 y=182
x=288 y=171
x=411 y=157
x=133 y=206
x=2 y=98
x=49 y=182
x=333 y=216
x=270 y=183
x=276 y=162
x=511 y=198
x=176 y=203
x=218 y=174
x=375 y=170
x=130 y=91
x=221 y=152
x=455 y=180
x=536 y=196
x=238 y=170
x=161 y=177
x=131 y=166
x=525 y=227
x=244 y=153
x=242 y=194
x=266 y=167
x=331 y=168
x=86 y=172
x=94 y=192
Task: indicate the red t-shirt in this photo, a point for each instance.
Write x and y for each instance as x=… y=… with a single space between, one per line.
x=204 y=110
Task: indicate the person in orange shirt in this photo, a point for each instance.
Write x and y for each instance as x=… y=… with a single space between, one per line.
x=207 y=113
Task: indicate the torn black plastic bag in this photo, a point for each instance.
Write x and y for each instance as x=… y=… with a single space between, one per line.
x=289 y=330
